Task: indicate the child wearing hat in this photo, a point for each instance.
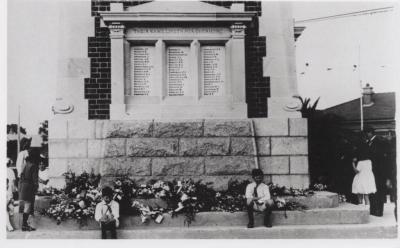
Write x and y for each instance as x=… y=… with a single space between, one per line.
x=107 y=214
x=258 y=198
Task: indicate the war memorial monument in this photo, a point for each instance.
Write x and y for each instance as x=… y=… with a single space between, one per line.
x=179 y=89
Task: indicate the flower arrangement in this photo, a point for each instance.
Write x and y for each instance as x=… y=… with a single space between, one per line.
x=277 y=190
x=81 y=194
x=342 y=199
x=77 y=201
x=49 y=191
x=319 y=187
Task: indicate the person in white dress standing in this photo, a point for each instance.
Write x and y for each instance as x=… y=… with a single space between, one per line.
x=364 y=180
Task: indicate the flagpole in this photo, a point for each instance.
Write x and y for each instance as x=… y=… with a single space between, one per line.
x=361 y=91
x=18 y=130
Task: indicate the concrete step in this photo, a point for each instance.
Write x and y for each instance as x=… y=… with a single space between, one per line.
x=344 y=214
x=320 y=199
x=346 y=231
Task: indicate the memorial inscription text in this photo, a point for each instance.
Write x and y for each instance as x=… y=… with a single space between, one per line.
x=213 y=63
x=178 y=70
x=142 y=69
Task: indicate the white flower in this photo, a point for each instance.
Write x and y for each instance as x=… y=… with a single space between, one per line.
x=184 y=197
x=180 y=207
x=82 y=204
x=144 y=218
x=280 y=202
x=162 y=193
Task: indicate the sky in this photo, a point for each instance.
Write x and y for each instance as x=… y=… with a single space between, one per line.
x=332 y=47
x=32 y=55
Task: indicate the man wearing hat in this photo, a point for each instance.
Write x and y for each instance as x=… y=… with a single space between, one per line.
x=377 y=149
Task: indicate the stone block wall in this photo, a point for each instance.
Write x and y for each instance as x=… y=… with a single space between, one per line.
x=214 y=151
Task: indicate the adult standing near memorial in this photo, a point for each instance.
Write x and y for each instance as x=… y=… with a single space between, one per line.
x=391 y=160
x=28 y=187
x=22 y=155
x=377 y=153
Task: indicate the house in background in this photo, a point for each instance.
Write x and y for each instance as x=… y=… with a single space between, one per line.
x=378 y=112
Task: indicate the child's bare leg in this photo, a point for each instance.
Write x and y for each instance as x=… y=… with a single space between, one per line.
x=267 y=213
x=250 y=214
x=10 y=228
x=366 y=198
x=360 y=198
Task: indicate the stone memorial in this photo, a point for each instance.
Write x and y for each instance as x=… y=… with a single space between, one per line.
x=182 y=90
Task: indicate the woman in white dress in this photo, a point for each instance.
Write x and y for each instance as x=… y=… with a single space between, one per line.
x=364 y=180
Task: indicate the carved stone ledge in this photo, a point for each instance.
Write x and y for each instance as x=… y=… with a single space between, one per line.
x=117 y=30
x=238 y=30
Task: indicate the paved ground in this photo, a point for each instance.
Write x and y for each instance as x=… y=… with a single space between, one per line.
x=378 y=227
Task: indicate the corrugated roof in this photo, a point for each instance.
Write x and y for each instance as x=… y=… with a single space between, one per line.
x=384 y=108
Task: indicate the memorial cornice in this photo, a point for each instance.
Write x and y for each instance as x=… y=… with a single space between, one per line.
x=124 y=16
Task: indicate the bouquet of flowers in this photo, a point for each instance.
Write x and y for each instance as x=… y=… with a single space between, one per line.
x=342 y=199
x=277 y=190
x=161 y=190
x=78 y=200
x=50 y=191
x=146 y=213
x=233 y=199
x=319 y=187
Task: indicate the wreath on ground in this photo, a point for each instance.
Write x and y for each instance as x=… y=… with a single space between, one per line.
x=81 y=194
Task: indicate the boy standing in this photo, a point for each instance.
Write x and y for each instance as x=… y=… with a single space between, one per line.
x=258 y=198
x=107 y=214
x=43 y=176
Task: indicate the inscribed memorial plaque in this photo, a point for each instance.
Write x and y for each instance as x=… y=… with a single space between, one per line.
x=142 y=70
x=213 y=63
x=178 y=71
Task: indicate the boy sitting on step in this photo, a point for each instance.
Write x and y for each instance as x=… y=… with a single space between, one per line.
x=107 y=213
x=258 y=198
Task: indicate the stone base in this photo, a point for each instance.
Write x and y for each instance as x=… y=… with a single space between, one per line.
x=213 y=150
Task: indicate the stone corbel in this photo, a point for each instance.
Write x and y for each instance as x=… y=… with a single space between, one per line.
x=117 y=30
x=238 y=30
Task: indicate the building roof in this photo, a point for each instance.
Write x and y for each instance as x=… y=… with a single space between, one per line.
x=384 y=108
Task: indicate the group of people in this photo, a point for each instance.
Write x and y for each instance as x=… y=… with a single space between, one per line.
x=29 y=176
x=373 y=176
x=375 y=173
x=375 y=168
